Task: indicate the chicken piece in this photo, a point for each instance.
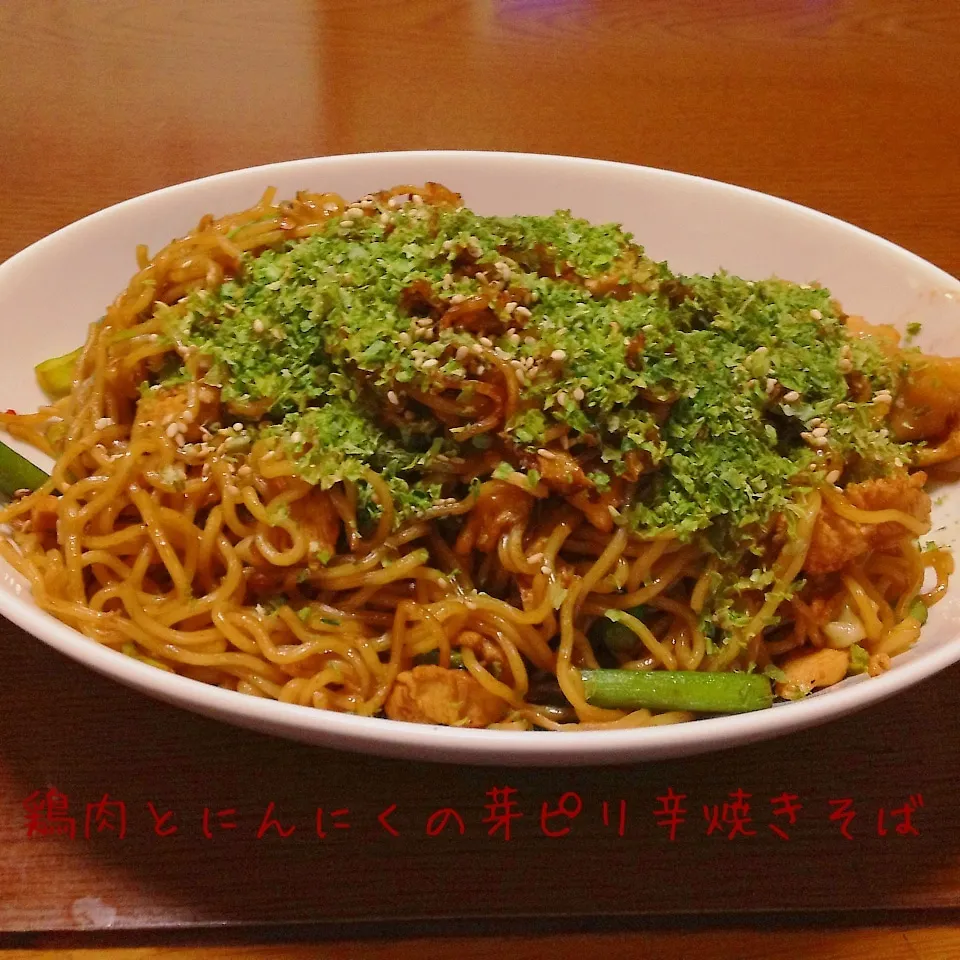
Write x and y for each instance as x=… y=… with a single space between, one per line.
x=902 y=492
x=886 y=336
x=811 y=670
x=837 y=542
x=160 y=408
x=561 y=472
x=489 y=654
x=948 y=450
x=453 y=698
x=834 y=544
x=927 y=406
x=500 y=507
x=317 y=516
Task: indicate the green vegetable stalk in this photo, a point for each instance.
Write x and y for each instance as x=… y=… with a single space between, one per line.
x=677 y=690
x=55 y=375
x=18 y=473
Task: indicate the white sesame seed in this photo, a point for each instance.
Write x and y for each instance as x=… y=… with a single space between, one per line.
x=179 y=440
x=331 y=207
x=558 y=355
x=258 y=326
x=815 y=422
x=392 y=397
x=842 y=407
x=792 y=396
x=545 y=569
x=404 y=338
x=238 y=426
x=845 y=365
x=457 y=298
x=509 y=308
x=771 y=385
x=385 y=219
x=462 y=353
x=820 y=431
x=395 y=202
x=547 y=454
x=430 y=363
x=816 y=314
x=897 y=462
x=833 y=476
x=514 y=338
x=519 y=372
x=762 y=351
x=578 y=394
x=485 y=341
x=245 y=470
x=346 y=223
x=481 y=370
x=103 y=423
x=173 y=430
x=560 y=397
x=530 y=341
x=416 y=198
x=296 y=437
x=447 y=244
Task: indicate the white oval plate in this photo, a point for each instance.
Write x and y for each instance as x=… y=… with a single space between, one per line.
x=52 y=290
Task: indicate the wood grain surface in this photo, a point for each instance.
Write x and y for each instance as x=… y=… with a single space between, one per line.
x=849 y=106
x=930 y=943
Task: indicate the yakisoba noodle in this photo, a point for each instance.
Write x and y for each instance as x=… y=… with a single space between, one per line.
x=394 y=458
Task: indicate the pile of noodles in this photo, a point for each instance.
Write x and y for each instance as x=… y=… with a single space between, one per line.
x=174 y=551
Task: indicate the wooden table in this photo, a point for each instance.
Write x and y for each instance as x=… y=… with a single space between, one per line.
x=846 y=105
